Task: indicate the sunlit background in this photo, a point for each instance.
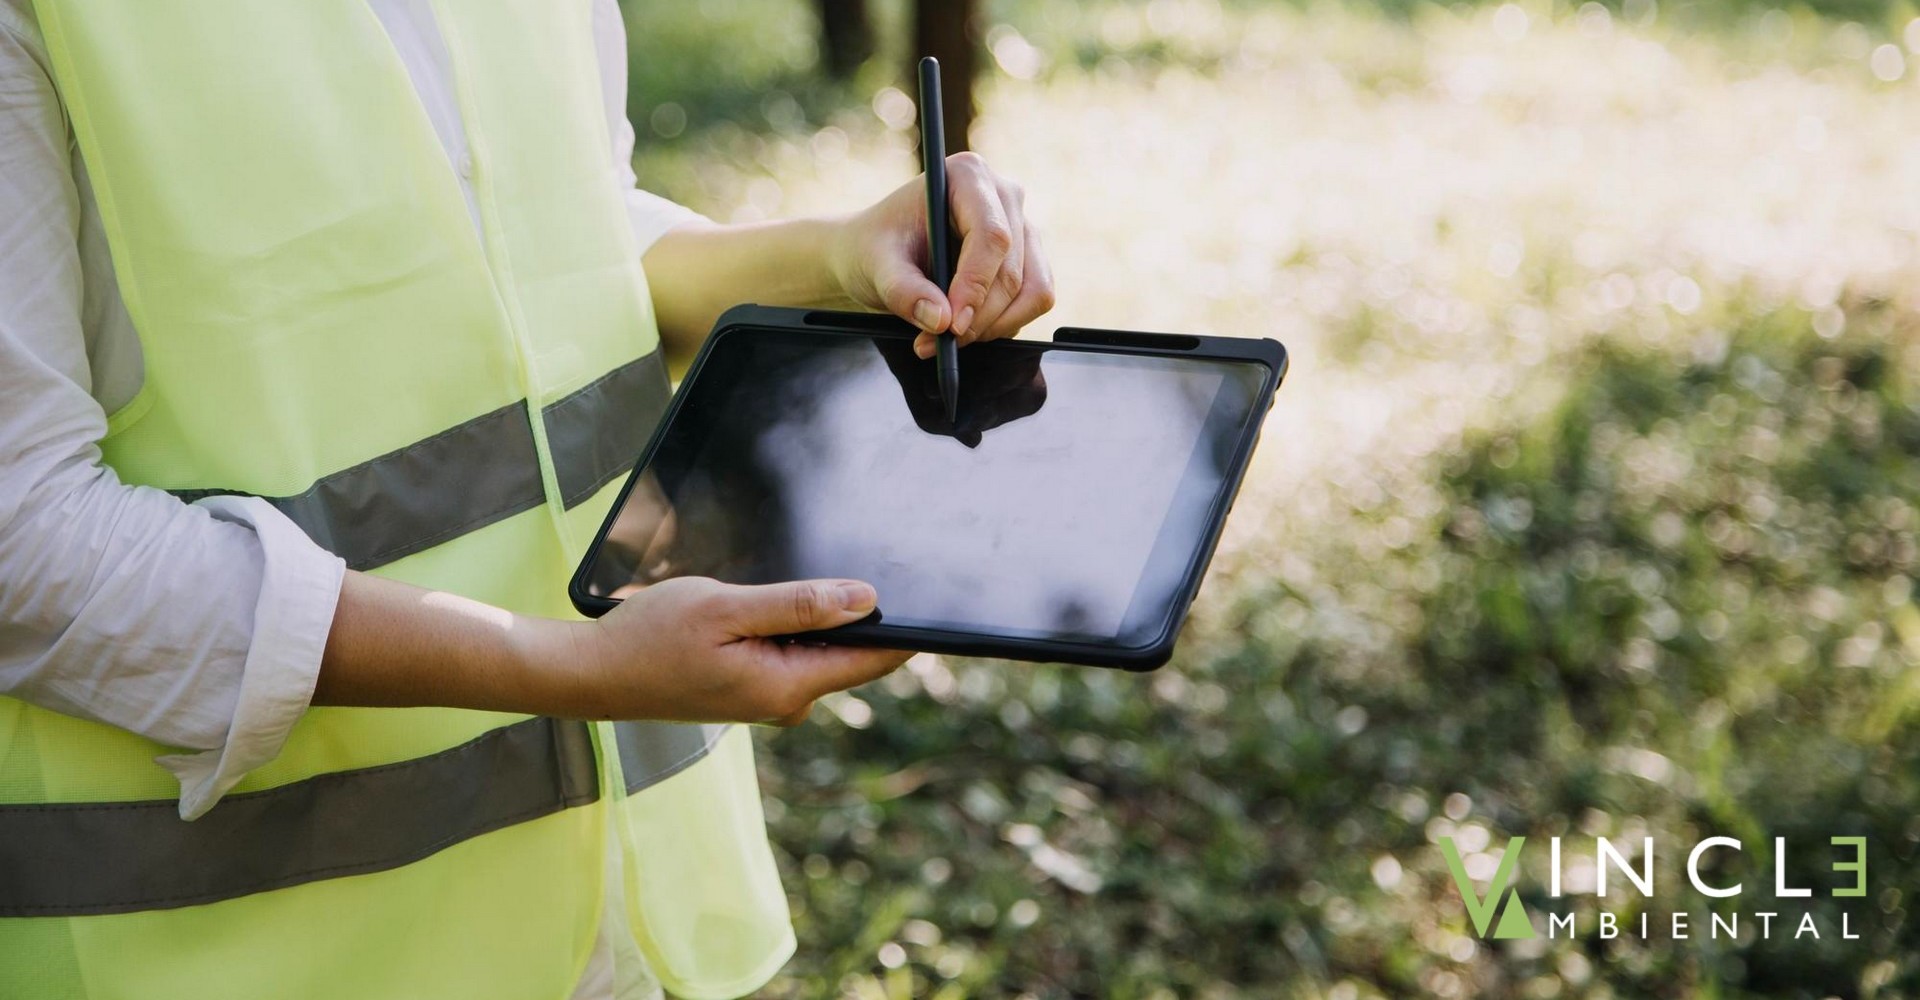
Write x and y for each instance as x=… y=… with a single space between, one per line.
x=1588 y=508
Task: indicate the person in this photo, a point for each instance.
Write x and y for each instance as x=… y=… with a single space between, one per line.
x=326 y=333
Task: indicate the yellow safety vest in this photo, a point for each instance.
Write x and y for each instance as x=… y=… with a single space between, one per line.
x=323 y=327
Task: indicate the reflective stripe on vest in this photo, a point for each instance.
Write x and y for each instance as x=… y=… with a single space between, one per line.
x=476 y=472
x=92 y=858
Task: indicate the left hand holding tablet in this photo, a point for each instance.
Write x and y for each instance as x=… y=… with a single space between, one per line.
x=697 y=650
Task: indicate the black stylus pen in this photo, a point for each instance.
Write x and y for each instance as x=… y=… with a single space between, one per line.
x=933 y=161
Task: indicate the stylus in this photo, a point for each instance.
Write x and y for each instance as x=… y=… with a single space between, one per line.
x=933 y=161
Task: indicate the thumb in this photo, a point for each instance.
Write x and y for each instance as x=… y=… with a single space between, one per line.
x=805 y=606
x=907 y=293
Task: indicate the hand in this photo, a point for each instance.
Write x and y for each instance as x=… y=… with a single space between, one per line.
x=1001 y=282
x=697 y=650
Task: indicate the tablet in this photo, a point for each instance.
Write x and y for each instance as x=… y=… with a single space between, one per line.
x=1066 y=514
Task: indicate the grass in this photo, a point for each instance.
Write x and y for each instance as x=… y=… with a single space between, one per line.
x=1588 y=510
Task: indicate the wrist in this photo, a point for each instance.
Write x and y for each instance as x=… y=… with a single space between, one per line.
x=829 y=250
x=550 y=666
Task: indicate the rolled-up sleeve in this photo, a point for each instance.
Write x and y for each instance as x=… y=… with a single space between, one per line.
x=198 y=626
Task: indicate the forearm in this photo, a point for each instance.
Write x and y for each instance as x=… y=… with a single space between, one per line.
x=698 y=271
x=394 y=645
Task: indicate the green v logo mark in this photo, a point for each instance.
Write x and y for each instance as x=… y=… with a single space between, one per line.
x=1514 y=922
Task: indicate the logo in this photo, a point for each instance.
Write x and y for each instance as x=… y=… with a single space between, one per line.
x=1498 y=914
x=1514 y=921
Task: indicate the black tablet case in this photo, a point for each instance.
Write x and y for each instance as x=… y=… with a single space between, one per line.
x=875 y=631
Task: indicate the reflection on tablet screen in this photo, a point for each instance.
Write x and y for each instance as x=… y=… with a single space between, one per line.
x=1067 y=499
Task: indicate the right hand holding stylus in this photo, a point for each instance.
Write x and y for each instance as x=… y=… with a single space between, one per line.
x=1001 y=282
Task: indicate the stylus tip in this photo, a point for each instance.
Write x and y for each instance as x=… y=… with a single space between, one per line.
x=952 y=403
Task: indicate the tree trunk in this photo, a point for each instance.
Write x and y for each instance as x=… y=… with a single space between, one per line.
x=943 y=29
x=846 y=36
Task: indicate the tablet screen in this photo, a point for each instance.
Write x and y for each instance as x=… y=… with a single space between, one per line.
x=1067 y=500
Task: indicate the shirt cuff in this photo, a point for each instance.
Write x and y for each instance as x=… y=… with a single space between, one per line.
x=652 y=216
x=299 y=588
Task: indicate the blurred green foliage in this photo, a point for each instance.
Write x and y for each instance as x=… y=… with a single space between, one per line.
x=1683 y=602
x=755 y=64
x=750 y=63
x=1678 y=605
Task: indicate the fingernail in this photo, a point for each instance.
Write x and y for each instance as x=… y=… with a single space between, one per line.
x=962 y=321
x=923 y=347
x=926 y=315
x=857 y=597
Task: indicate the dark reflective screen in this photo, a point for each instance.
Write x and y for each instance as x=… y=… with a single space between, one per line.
x=1067 y=499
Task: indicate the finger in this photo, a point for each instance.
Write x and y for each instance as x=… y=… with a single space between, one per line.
x=818 y=671
x=1036 y=291
x=1009 y=282
x=985 y=236
x=907 y=293
x=794 y=718
x=786 y=608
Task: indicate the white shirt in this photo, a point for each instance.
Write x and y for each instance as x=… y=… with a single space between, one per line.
x=198 y=626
